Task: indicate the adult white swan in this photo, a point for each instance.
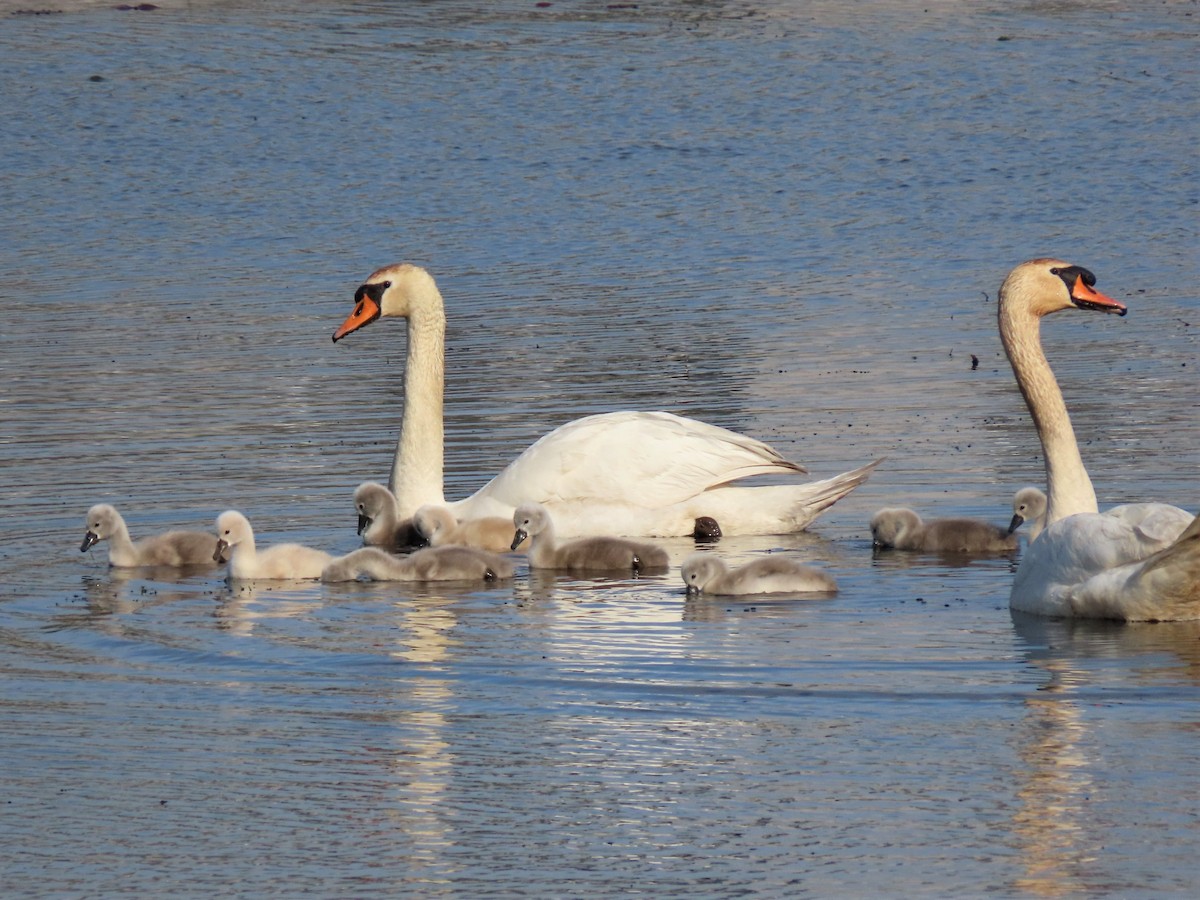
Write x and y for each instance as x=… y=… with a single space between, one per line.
x=642 y=473
x=1137 y=562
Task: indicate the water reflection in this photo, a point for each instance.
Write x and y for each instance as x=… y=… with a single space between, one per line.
x=1059 y=835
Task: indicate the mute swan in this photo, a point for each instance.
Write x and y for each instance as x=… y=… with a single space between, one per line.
x=379 y=520
x=438 y=526
x=1137 y=562
x=704 y=573
x=595 y=553
x=1029 y=505
x=430 y=564
x=902 y=529
x=643 y=473
x=172 y=548
x=235 y=535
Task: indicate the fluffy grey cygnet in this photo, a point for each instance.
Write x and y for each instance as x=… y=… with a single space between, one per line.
x=447 y=563
x=172 y=548
x=899 y=528
x=704 y=573
x=612 y=554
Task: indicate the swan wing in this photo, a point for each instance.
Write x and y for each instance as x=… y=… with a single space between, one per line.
x=641 y=459
x=1085 y=565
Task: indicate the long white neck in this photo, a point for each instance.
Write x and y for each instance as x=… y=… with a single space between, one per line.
x=1070 y=490
x=417 y=469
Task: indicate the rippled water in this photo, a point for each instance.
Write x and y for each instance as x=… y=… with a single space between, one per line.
x=786 y=218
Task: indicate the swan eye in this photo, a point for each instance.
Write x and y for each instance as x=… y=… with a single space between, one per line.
x=386 y=285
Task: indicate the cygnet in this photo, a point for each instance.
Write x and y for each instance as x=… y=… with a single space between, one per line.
x=902 y=529
x=379 y=523
x=172 y=548
x=1029 y=505
x=446 y=563
x=704 y=573
x=612 y=554
x=439 y=527
x=235 y=539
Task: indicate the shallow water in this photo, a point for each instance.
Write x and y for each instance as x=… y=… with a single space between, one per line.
x=788 y=219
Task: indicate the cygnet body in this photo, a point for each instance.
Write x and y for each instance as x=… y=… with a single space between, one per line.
x=1029 y=505
x=379 y=520
x=446 y=563
x=172 y=548
x=235 y=539
x=899 y=528
x=704 y=573
x=438 y=526
x=611 y=554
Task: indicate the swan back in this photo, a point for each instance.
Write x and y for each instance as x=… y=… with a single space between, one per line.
x=704 y=573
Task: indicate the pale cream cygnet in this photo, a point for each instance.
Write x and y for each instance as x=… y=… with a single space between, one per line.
x=899 y=528
x=1029 y=505
x=704 y=573
x=446 y=563
x=438 y=526
x=172 y=548
x=235 y=539
x=612 y=554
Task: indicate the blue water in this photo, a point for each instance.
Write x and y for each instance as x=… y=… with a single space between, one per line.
x=789 y=219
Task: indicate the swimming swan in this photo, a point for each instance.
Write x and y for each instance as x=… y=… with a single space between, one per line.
x=438 y=526
x=379 y=520
x=172 y=548
x=704 y=573
x=902 y=529
x=1136 y=562
x=613 y=554
x=681 y=471
x=1029 y=505
x=448 y=563
x=235 y=538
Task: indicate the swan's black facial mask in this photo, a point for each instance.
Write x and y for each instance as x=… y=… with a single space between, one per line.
x=1079 y=282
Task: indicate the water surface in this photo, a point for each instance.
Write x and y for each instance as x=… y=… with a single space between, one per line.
x=789 y=219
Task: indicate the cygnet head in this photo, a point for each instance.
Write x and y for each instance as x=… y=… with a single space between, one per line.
x=401 y=290
x=372 y=500
x=430 y=519
x=101 y=524
x=1029 y=505
x=699 y=570
x=233 y=528
x=889 y=524
x=530 y=520
x=1044 y=286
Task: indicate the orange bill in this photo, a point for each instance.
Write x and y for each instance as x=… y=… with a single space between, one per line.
x=365 y=312
x=1086 y=297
